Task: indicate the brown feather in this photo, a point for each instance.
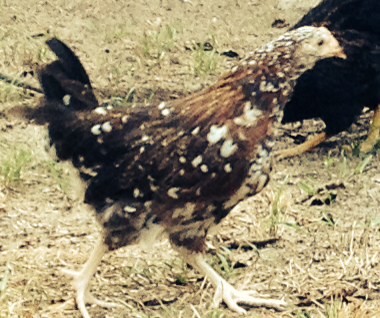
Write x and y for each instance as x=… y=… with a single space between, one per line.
x=180 y=165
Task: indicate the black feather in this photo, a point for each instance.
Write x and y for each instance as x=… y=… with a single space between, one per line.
x=66 y=77
x=336 y=90
x=69 y=61
x=177 y=166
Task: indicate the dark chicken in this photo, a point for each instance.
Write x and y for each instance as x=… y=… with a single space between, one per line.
x=179 y=167
x=337 y=90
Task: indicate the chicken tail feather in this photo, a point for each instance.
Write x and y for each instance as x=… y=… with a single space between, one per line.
x=65 y=80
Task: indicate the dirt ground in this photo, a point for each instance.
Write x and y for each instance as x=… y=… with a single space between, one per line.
x=311 y=237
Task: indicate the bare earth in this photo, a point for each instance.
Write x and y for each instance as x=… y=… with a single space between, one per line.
x=311 y=237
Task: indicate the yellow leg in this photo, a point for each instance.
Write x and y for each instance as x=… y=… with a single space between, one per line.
x=300 y=149
x=374 y=133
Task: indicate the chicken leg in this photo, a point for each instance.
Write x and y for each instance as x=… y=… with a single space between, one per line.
x=302 y=148
x=374 y=133
x=227 y=293
x=81 y=280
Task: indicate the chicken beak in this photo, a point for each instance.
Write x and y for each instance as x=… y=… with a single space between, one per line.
x=341 y=55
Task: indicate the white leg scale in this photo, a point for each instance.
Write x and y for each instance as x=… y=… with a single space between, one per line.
x=81 y=280
x=227 y=293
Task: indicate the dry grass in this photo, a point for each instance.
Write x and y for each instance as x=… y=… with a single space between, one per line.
x=312 y=236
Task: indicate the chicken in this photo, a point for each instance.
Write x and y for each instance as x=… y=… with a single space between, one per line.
x=337 y=90
x=176 y=168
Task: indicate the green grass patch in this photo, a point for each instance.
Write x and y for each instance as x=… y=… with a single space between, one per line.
x=56 y=171
x=156 y=43
x=206 y=62
x=13 y=166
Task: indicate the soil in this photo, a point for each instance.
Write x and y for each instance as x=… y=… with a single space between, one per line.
x=311 y=237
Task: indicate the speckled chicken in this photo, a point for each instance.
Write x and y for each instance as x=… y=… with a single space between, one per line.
x=337 y=90
x=175 y=168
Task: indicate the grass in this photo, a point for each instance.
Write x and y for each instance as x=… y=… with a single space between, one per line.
x=12 y=167
x=333 y=309
x=4 y=281
x=9 y=93
x=23 y=50
x=146 y=55
x=57 y=173
x=344 y=167
x=362 y=166
x=20 y=53
x=122 y=101
x=308 y=187
x=328 y=219
x=51 y=228
x=338 y=309
x=303 y=314
x=155 y=44
x=216 y=313
x=222 y=263
x=376 y=148
x=134 y=97
x=116 y=32
x=44 y=55
x=277 y=211
x=205 y=62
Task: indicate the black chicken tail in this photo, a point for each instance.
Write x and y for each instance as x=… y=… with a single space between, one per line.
x=68 y=93
x=65 y=81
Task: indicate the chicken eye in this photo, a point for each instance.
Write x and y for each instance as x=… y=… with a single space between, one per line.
x=320 y=43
